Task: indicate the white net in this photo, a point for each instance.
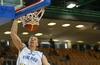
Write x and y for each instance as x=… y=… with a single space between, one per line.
x=32 y=18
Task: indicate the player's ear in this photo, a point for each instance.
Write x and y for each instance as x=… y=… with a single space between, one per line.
x=37 y=44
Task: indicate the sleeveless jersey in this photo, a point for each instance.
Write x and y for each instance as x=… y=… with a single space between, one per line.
x=28 y=57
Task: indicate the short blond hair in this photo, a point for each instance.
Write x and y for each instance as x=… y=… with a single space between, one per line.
x=33 y=36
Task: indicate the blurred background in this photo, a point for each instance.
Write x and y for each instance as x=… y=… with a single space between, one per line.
x=76 y=26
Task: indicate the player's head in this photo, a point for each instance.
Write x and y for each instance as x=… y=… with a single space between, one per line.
x=33 y=41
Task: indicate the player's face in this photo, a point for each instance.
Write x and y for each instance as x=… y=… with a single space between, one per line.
x=33 y=41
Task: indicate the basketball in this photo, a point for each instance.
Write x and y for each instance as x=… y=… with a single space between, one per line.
x=31 y=27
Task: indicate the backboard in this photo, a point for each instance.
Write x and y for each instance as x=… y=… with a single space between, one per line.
x=13 y=9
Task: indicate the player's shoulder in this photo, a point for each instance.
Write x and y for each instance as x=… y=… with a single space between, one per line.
x=39 y=52
x=24 y=48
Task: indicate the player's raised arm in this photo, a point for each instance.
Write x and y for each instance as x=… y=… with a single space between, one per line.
x=45 y=61
x=16 y=40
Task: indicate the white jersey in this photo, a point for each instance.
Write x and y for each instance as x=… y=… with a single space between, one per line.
x=28 y=57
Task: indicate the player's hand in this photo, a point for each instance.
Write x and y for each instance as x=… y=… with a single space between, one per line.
x=16 y=20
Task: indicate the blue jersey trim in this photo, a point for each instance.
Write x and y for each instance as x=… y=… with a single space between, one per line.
x=23 y=47
x=18 y=61
x=42 y=55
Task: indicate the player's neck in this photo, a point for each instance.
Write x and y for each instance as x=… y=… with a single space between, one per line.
x=32 y=48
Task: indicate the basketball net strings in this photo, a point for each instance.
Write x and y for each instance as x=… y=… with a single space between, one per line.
x=34 y=18
x=37 y=17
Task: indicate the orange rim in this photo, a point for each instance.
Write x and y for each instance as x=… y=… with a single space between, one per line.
x=39 y=11
x=35 y=12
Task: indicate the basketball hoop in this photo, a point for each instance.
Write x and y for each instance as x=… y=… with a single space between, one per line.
x=32 y=19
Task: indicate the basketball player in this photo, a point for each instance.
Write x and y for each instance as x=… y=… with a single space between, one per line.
x=28 y=55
